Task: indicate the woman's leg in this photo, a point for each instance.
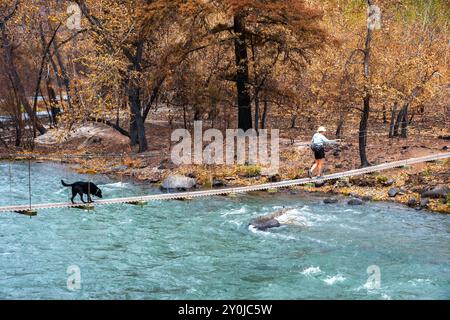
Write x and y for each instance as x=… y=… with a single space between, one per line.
x=320 y=166
x=316 y=163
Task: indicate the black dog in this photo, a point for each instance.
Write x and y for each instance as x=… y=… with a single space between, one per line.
x=83 y=188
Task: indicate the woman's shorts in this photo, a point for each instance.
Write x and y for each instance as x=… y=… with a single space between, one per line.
x=319 y=153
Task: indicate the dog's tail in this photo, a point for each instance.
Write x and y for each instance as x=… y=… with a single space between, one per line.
x=65 y=184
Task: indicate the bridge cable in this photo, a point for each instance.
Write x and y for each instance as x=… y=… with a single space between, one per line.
x=29 y=180
x=10 y=182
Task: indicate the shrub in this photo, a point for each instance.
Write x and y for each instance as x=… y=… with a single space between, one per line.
x=382 y=179
x=249 y=170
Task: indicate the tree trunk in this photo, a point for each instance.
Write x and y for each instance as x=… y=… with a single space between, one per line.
x=18 y=123
x=185 y=117
x=53 y=104
x=399 y=123
x=404 y=124
x=293 y=121
x=340 y=126
x=137 y=129
x=392 y=123
x=8 y=56
x=264 y=114
x=45 y=52
x=64 y=75
x=137 y=126
x=256 y=110
x=363 y=132
x=18 y=139
x=243 y=95
x=366 y=100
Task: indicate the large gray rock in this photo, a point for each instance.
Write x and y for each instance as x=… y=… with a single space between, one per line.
x=263 y=225
x=393 y=192
x=178 y=182
x=389 y=182
x=439 y=191
x=267 y=221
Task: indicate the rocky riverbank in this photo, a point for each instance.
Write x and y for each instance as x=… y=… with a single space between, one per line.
x=422 y=186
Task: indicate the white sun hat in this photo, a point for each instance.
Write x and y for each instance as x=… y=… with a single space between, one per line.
x=321 y=129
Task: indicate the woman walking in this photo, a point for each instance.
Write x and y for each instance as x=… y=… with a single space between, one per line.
x=318 y=142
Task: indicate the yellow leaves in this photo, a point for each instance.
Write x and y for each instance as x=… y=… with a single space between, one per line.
x=53 y=19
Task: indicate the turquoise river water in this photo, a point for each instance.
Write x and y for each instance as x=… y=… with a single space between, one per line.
x=203 y=249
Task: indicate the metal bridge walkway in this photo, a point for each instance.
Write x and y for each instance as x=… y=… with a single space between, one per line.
x=31 y=210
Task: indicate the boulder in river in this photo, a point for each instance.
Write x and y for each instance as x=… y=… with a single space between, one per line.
x=178 y=182
x=319 y=184
x=267 y=221
x=218 y=183
x=272 y=223
x=366 y=198
x=412 y=202
x=330 y=200
x=439 y=191
x=424 y=202
x=355 y=202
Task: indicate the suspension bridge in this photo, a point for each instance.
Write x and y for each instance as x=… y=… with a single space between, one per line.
x=31 y=209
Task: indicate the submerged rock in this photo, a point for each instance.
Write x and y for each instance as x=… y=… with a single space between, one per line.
x=330 y=200
x=355 y=202
x=178 y=182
